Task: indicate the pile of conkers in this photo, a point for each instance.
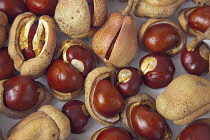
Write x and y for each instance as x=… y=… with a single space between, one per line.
x=67 y=65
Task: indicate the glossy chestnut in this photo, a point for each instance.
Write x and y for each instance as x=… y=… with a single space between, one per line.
x=107 y=100
x=81 y=58
x=157 y=69
x=72 y=54
x=196 y=62
x=199 y=129
x=199 y=19
x=12 y=8
x=63 y=77
x=147 y=123
x=102 y=99
x=161 y=36
x=42 y=7
x=78 y=115
x=6 y=71
x=20 y=93
x=129 y=81
x=142 y=119
x=111 y=133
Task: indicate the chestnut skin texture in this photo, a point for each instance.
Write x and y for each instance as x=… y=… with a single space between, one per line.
x=193 y=62
x=42 y=7
x=147 y=123
x=196 y=131
x=73 y=110
x=161 y=37
x=6 y=71
x=199 y=19
x=162 y=74
x=20 y=93
x=12 y=8
x=82 y=54
x=131 y=87
x=63 y=77
x=114 y=133
x=107 y=99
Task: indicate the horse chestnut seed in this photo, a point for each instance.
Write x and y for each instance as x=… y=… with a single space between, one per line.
x=20 y=93
x=63 y=77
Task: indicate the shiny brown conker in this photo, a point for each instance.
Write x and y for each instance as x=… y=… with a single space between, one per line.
x=161 y=37
x=199 y=19
x=20 y=93
x=129 y=81
x=76 y=111
x=196 y=131
x=80 y=57
x=157 y=69
x=63 y=77
x=107 y=101
x=114 y=133
x=12 y=8
x=196 y=62
x=42 y=7
x=147 y=123
x=7 y=69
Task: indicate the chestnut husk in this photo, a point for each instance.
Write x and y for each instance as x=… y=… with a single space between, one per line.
x=143 y=99
x=34 y=67
x=47 y=123
x=156 y=8
x=153 y=21
x=115 y=43
x=201 y=2
x=91 y=81
x=44 y=98
x=77 y=24
x=3 y=29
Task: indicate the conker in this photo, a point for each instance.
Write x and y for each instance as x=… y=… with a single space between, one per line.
x=12 y=8
x=161 y=37
x=20 y=93
x=157 y=69
x=63 y=77
x=147 y=123
x=129 y=81
x=196 y=131
x=196 y=62
x=42 y=7
x=107 y=99
x=199 y=19
x=7 y=69
x=82 y=59
x=113 y=133
x=78 y=115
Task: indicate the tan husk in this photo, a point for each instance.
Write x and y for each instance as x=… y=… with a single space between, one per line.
x=152 y=21
x=143 y=99
x=184 y=102
x=47 y=123
x=156 y=8
x=91 y=81
x=118 y=37
x=201 y=2
x=44 y=98
x=77 y=23
x=3 y=28
x=34 y=67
